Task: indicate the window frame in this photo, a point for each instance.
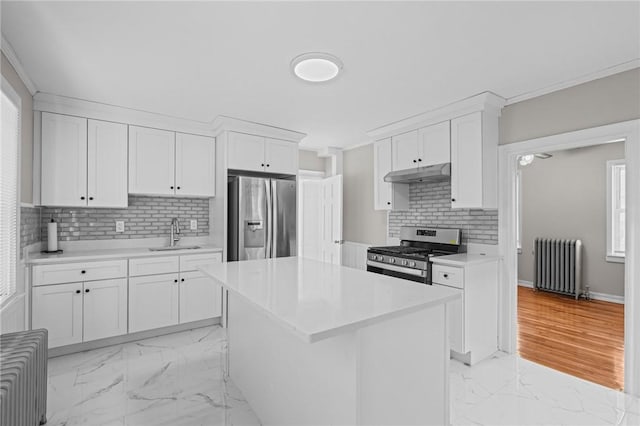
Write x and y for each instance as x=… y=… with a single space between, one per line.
x=611 y=191
x=13 y=96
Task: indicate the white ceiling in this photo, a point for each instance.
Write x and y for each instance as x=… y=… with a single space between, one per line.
x=198 y=60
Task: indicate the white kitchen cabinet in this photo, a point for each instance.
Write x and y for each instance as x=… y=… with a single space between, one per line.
x=153 y=301
x=434 y=143
x=280 y=156
x=153 y=265
x=64 y=160
x=405 y=150
x=104 y=309
x=260 y=154
x=474 y=161
x=151 y=161
x=58 y=308
x=84 y=162
x=200 y=297
x=107 y=152
x=473 y=320
x=245 y=152
x=195 y=165
x=58 y=273
x=387 y=196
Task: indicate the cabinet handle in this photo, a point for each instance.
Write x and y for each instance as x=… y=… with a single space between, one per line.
x=83 y=272
x=388 y=203
x=177 y=187
x=90 y=198
x=419 y=159
x=82 y=197
x=414 y=161
x=267 y=165
x=453 y=199
x=446 y=275
x=175 y=281
x=182 y=280
x=262 y=165
x=77 y=291
x=86 y=290
x=171 y=187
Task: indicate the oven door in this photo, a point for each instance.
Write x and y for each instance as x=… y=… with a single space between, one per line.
x=417 y=275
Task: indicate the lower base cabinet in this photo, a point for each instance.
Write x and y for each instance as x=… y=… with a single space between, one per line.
x=200 y=297
x=82 y=311
x=153 y=302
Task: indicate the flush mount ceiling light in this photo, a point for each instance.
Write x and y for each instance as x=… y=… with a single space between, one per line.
x=316 y=67
x=525 y=160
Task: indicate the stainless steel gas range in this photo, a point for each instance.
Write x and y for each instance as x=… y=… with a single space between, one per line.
x=412 y=258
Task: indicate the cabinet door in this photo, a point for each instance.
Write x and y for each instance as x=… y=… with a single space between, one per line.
x=200 y=297
x=281 y=156
x=405 y=150
x=466 y=161
x=58 y=308
x=153 y=302
x=107 y=164
x=64 y=160
x=245 y=152
x=151 y=161
x=105 y=309
x=195 y=165
x=434 y=145
x=381 y=166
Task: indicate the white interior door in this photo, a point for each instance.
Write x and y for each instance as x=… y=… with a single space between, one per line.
x=332 y=220
x=310 y=208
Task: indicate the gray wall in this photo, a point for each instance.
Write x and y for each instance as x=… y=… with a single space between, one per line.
x=604 y=101
x=430 y=205
x=26 y=152
x=565 y=197
x=361 y=223
x=309 y=160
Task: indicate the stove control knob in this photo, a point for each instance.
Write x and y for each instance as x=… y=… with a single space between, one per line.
x=392 y=260
x=404 y=263
x=412 y=264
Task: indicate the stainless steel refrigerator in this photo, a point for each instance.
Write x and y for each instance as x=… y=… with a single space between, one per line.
x=262 y=218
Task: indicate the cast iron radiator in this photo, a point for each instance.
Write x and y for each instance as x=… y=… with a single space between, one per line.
x=557 y=266
x=23 y=378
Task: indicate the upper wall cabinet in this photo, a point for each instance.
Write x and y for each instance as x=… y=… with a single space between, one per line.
x=260 y=154
x=423 y=147
x=474 y=161
x=84 y=162
x=166 y=163
x=386 y=196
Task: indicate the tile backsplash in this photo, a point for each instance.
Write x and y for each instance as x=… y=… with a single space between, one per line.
x=29 y=226
x=146 y=217
x=430 y=205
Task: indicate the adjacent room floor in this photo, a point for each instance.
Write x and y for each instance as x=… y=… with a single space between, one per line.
x=581 y=338
x=178 y=380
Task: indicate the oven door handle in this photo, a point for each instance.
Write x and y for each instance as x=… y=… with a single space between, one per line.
x=417 y=272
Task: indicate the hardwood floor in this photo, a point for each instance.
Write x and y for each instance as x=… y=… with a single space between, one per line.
x=581 y=338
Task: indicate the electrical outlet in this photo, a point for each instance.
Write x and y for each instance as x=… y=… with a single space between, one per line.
x=194 y=224
x=119 y=225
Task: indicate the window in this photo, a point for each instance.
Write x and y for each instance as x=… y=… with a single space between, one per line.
x=10 y=123
x=615 y=210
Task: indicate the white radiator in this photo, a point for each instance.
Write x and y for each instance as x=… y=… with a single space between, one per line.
x=23 y=378
x=557 y=266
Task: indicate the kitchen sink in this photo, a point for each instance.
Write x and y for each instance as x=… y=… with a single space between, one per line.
x=174 y=248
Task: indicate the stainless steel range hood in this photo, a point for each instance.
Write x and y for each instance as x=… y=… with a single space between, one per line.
x=421 y=174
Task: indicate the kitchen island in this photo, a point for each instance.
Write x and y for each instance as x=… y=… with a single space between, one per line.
x=317 y=343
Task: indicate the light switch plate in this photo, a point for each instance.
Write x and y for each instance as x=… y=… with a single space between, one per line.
x=119 y=225
x=194 y=224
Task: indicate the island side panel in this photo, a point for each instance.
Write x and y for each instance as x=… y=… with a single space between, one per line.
x=403 y=370
x=285 y=379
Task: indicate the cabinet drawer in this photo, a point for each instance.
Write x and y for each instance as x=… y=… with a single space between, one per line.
x=74 y=272
x=448 y=275
x=192 y=262
x=153 y=265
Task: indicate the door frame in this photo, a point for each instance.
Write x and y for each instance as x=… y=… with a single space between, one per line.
x=627 y=131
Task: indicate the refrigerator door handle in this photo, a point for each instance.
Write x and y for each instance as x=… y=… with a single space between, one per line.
x=267 y=247
x=274 y=219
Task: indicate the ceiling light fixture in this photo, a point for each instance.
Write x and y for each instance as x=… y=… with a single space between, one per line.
x=525 y=160
x=316 y=67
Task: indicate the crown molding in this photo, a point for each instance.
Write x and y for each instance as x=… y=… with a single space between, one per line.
x=486 y=101
x=224 y=123
x=11 y=56
x=616 y=69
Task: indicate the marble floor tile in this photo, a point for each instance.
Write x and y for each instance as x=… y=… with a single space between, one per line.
x=178 y=379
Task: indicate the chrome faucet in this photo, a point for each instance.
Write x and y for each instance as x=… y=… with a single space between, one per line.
x=175 y=232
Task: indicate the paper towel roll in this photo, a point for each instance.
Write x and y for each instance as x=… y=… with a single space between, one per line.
x=52 y=236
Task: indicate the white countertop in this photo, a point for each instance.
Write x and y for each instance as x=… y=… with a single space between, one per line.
x=463 y=259
x=319 y=300
x=111 y=253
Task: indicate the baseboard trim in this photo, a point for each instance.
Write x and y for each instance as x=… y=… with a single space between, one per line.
x=131 y=337
x=594 y=295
